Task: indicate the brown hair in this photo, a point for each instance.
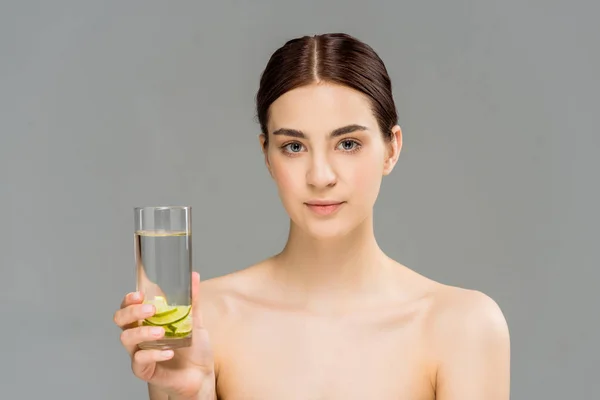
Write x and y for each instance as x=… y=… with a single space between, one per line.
x=333 y=57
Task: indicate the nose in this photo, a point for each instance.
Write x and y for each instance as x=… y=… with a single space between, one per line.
x=320 y=173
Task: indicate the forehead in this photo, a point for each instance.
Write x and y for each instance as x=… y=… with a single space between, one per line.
x=320 y=108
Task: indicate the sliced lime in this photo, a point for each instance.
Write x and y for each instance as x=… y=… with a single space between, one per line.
x=161 y=305
x=167 y=328
x=180 y=328
x=176 y=314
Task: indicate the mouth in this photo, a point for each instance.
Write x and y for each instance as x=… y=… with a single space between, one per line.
x=324 y=207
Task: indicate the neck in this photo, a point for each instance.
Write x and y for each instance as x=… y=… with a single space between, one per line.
x=341 y=269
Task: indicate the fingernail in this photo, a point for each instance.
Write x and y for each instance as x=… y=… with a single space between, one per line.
x=147 y=308
x=135 y=296
x=156 y=331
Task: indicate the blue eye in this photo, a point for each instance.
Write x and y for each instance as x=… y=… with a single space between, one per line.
x=348 y=145
x=293 y=147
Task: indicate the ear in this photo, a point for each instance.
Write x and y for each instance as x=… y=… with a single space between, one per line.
x=393 y=150
x=264 y=148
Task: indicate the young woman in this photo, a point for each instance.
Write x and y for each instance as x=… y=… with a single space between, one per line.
x=330 y=317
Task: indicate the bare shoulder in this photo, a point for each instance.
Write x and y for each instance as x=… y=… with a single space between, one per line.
x=471 y=344
x=219 y=295
x=214 y=291
x=454 y=310
x=470 y=313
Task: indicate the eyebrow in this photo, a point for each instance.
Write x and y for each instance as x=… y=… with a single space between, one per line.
x=335 y=133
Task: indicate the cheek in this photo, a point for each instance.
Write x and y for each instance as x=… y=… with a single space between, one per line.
x=285 y=176
x=367 y=175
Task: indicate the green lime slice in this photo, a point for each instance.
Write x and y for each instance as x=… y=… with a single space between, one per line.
x=161 y=305
x=177 y=314
x=180 y=328
x=169 y=329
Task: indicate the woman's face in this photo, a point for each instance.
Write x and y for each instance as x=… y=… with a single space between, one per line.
x=327 y=157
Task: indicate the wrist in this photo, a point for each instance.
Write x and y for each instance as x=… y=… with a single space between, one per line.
x=207 y=391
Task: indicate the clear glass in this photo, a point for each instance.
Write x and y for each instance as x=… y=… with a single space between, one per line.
x=163 y=260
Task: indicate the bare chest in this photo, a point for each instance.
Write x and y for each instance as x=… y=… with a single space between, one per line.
x=274 y=357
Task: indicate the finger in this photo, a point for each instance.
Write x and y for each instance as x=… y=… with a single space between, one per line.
x=129 y=299
x=129 y=316
x=132 y=298
x=196 y=303
x=130 y=338
x=144 y=362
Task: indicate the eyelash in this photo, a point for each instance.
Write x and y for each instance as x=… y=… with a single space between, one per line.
x=293 y=154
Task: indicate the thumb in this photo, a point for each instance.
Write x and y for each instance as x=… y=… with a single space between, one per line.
x=196 y=303
x=201 y=351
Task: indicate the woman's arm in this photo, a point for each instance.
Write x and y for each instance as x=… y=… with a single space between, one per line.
x=156 y=394
x=474 y=350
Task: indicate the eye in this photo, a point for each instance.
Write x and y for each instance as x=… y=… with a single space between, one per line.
x=349 y=145
x=293 y=147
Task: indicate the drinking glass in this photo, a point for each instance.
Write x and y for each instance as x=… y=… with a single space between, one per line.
x=163 y=260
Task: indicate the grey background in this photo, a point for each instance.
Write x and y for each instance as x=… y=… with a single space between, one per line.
x=108 y=105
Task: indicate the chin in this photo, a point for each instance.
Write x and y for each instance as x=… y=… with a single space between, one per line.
x=325 y=230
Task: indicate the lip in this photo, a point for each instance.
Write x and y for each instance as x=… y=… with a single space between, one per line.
x=323 y=202
x=324 y=207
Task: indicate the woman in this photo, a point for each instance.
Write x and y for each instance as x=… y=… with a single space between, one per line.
x=330 y=316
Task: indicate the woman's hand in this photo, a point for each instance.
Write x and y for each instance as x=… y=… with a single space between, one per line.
x=186 y=373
